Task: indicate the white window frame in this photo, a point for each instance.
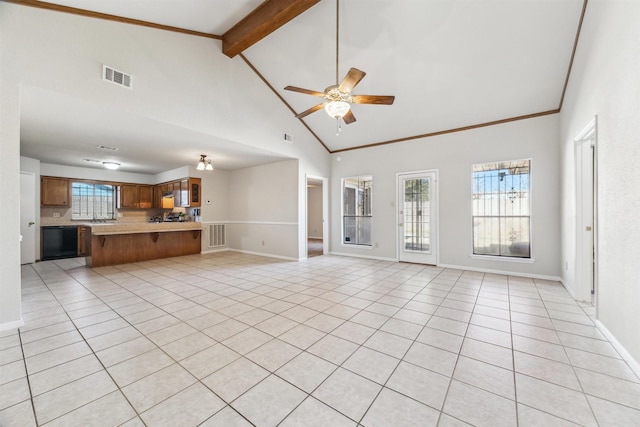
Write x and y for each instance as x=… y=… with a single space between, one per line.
x=506 y=258
x=343 y=185
x=92 y=215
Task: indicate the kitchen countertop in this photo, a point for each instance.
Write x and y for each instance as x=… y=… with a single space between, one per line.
x=106 y=228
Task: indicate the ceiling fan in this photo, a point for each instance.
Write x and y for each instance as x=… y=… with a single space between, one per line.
x=338 y=98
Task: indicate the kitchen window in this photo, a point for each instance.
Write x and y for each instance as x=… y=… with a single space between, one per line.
x=91 y=201
x=501 y=209
x=356 y=210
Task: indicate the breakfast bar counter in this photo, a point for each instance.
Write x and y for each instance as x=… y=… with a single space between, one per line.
x=121 y=243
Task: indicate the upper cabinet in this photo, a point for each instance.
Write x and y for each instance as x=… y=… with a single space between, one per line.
x=186 y=193
x=136 y=196
x=55 y=192
x=194 y=192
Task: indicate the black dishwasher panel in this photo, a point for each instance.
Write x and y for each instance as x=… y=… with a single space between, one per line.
x=60 y=241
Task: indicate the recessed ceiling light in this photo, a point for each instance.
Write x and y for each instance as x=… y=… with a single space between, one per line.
x=111 y=165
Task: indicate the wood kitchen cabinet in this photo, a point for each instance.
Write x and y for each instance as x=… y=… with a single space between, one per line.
x=82 y=240
x=136 y=196
x=194 y=192
x=55 y=191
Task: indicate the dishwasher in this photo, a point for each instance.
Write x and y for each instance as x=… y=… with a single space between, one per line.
x=59 y=241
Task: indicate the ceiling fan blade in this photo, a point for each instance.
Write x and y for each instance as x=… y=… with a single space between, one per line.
x=305 y=91
x=373 y=99
x=349 y=118
x=350 y=81
x=310 y=110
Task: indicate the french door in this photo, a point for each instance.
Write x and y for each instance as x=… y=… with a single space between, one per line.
x=417 y=217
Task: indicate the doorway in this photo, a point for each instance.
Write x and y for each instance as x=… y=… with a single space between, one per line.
x=586 y=221
x=27 y=218
x=317 y=211
x=418 y=217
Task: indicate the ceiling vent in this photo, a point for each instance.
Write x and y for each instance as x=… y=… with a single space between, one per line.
x=117 y=77
x=107 y=148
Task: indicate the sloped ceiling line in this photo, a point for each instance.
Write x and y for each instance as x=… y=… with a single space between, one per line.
x=270 y=16
x=107 y=17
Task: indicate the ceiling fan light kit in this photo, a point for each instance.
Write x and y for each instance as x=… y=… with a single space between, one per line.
x=338 y=98
x=204 y=164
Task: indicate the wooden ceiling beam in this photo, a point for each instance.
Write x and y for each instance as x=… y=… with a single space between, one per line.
x=262 y=21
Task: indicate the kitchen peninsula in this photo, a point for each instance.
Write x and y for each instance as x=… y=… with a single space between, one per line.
x=114 y=243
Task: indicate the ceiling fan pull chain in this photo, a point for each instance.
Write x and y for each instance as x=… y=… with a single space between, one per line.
x=339 y=126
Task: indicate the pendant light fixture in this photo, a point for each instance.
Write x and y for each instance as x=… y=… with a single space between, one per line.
x=204 y=164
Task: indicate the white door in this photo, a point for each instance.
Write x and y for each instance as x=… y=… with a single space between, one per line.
x=27 y=218
x=585 y=223
x=418 y=217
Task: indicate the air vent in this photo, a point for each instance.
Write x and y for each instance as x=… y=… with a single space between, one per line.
x=217 y=235
x=288 y=138
x=107 y=148
x=117 y=77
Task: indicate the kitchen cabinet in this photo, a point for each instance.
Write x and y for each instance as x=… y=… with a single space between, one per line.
x=145 y=194
x=194 y=192
x=177 y=201
x=55 y=191
x=136 y=196
x=82 y=240
x=184 y=193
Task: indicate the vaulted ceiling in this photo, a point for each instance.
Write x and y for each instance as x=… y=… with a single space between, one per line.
x=451 y=64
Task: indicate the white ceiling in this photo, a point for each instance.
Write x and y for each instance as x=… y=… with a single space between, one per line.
x=449 y=63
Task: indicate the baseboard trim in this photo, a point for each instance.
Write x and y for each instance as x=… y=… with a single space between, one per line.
x=212 y=251
x=566 y=288
x=264 y=254
x=626 y=356
x=505 y=273
x=379 y=258
x=11 y=325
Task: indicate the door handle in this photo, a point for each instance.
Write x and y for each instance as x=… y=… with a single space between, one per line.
x=401 y=224
x=588 y=228
x=31 y=223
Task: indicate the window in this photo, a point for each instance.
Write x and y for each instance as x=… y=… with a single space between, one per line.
x=501 y=212
x=356 y=210
x=91 y=201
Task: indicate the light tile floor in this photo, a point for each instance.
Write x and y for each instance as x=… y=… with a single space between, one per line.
x=230 y=339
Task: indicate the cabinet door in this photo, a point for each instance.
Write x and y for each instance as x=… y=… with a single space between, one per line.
x=195 y=192
x=82 y=246
x=145 y=196
x=129 y=196
x=176 y=193
x=54 y=192
x=184 y=193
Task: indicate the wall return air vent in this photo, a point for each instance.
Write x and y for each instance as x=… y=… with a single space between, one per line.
x=117 y=77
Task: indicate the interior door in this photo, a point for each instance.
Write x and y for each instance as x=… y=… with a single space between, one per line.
x=27 y=218
x=417 y=217
x=585 y=221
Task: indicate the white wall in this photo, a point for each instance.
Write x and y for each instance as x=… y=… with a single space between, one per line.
x=453 y=156
x=605 y=82
x=263 y=208
x=314 y=212
x=186 y=82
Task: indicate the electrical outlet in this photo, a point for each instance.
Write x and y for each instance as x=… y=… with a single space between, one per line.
x=56 y=214
x=566 y=265
x=120 y=215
